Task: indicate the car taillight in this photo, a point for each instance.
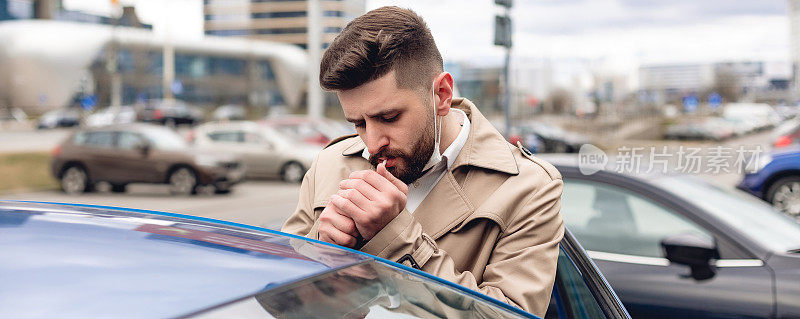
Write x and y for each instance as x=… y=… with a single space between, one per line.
x=783 y=141
x=190 y=137
x=57 y=151
x=158 y=114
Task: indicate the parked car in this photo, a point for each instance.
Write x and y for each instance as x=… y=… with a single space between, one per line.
x=112 y=115
x=170 y=113
x=787 y=134
x=544 y=137
x=775 y=178
x=230 y=112
x=713 y=128
x=83 y=261
x=59 y=118
x=265 y=152
x=677 y=247
x=309 y=130
x=140 y=153
x=764 y=115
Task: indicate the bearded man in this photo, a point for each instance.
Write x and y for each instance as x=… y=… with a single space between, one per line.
x=428 y=181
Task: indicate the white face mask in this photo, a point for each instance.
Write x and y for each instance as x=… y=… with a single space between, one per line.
x=436 y=157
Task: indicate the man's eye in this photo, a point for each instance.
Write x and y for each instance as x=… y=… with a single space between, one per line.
x=391 y=119
x=359 y=124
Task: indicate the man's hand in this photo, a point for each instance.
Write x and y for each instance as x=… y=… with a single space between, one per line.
x=336 y=228
x=371 y=199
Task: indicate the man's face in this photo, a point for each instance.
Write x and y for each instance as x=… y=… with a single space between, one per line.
x=396 y=125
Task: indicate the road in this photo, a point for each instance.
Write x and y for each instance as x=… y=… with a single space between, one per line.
x=258 y=203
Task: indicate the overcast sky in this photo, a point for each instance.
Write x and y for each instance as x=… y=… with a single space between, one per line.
x=621 y=31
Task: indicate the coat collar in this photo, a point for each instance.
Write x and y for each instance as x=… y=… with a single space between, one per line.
x=485 y=146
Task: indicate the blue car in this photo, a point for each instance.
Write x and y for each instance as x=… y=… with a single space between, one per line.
x=80 y=261
x=776 y=179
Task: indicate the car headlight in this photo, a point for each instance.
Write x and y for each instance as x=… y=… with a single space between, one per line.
x=757 y=163
x=205 y=160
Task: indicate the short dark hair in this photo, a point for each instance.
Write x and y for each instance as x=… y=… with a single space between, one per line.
x=385 y=39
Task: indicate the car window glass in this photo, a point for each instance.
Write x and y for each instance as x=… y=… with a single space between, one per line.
x=227 y=136
x=608 y=219
x=79 y=138
x=100 y=139
x=252 y=138
x=128 y=140
x=754 y=218
x=367 y=290
x=571 y=297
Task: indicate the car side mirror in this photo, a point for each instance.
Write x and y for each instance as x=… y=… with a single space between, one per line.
x=693 y=251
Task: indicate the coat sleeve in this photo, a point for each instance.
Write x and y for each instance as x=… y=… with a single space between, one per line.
x=522 y=266
x=302 y=222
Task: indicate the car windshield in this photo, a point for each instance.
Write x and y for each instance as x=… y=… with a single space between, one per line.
x=754 y=218
x=164 y=139
x=366 y=290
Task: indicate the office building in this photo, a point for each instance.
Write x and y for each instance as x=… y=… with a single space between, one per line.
x=283 y=21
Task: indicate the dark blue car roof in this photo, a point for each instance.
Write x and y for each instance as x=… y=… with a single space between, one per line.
x=76 y=260
x=71 y=261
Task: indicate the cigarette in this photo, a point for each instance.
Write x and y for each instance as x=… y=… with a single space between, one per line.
x=384 y=163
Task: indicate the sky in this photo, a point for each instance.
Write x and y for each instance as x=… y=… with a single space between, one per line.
x=623 y=33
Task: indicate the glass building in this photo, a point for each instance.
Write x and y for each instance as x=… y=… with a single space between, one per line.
x=277 y=20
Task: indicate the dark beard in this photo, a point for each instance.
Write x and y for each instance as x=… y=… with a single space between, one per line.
x=420 y=155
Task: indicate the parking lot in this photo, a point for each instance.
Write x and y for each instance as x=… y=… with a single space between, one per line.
x=259 y=203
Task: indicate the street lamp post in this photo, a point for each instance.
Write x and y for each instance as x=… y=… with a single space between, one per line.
x=314 y=48
x=502 y=37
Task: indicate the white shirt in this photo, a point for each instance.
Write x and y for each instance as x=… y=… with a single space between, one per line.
x=419 y=189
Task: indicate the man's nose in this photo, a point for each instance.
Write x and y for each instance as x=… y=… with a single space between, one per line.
x=376 y=140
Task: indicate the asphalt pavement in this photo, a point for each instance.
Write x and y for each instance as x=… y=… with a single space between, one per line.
x=258 y=203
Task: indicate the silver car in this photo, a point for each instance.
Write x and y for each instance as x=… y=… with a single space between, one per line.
x=264 y=152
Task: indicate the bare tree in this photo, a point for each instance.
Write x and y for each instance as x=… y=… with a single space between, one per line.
x=728 y=84
x=559 y=101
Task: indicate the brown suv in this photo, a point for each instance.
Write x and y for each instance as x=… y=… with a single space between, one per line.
x=140 y=153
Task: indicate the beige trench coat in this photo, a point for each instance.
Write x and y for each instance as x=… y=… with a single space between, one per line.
x=491 y=224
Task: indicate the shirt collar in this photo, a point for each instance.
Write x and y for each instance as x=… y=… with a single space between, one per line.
x=452 y=151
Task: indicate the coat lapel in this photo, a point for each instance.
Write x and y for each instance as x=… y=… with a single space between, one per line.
x=445 y=207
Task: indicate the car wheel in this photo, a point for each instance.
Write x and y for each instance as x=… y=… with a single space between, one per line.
x=183 y=181
x=293 y=172
x=74 y=180
x=118 y=188
x=170 y=122
x=784 y=194
x=222 y=190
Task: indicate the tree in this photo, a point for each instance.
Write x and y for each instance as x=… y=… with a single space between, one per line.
x=559 y=101
x=727 y=83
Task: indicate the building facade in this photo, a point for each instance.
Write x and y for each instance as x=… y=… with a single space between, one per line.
x=283 y=21
x=54 y=10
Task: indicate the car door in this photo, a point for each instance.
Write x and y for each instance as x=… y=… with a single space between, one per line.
x=133 y=165
x=98 y=154
x=621 y=229
x=245 y=145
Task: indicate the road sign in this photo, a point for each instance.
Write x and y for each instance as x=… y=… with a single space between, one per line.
x=690 y=103
x=505 y=3
x=714 y=100
x=502 y=31
x=177 y=87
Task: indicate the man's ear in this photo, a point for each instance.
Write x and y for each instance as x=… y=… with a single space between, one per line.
x=443 y=93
